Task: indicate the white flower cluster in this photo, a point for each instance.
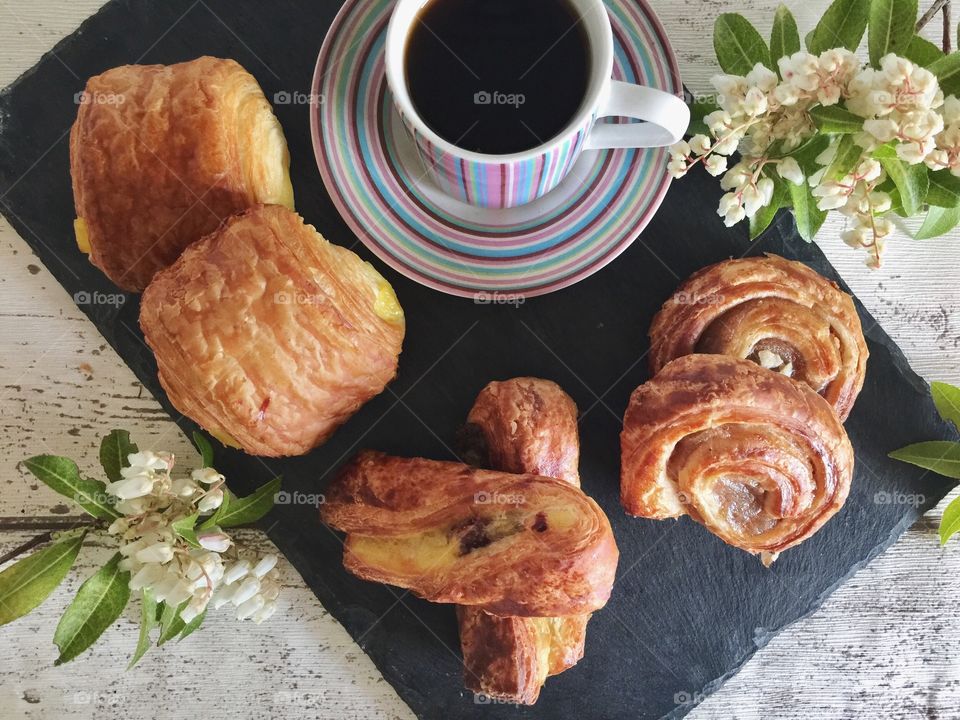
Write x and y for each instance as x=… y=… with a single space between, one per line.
x=161 y=560
x=765 y=117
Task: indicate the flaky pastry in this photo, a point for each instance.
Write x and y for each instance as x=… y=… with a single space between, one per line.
x=513 y=545
x=269 y=336
x=776 y=312
x=523 y=425
x=160 y=155
x=759 y=459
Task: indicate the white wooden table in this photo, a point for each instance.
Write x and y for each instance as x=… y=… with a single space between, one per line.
x=884 y=645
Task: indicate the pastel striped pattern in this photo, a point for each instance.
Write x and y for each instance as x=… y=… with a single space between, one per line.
x=379 y=184
x=504 y=184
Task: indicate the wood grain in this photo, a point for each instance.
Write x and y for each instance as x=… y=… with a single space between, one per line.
x=879 y=647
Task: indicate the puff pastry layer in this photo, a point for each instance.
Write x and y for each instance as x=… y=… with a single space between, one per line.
x=513 y=545
x=777 y=312
x=759 y=459
x=269 y=336
x=160 y=155
x=523 y=425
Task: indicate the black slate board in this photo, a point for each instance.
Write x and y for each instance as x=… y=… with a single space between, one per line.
x=687 y=611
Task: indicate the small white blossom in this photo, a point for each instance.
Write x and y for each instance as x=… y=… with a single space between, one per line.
x=715 y=164
x=789 y=169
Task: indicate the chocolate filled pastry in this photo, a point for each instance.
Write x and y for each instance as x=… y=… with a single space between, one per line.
x=776 y=312
x=760 y=460
x=524 y=425
x=161 y=154
x=269 y=336
x=513 y=545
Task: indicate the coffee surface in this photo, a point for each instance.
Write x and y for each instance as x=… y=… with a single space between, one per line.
x=497 y=76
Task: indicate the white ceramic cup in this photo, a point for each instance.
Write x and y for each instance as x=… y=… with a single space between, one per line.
x=501 y=181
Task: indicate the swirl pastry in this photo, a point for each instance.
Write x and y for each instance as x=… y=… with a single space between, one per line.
x=269 y=336
x=513 y=545
x=760 y=460
x=777 y=312
x=524 y=425
x=161 y=154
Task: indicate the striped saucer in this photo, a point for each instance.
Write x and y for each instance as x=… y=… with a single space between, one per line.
x=376 y=179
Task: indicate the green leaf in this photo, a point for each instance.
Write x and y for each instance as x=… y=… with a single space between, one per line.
x=835 y=120
x=846 y=159
x=114 y=449
x=940 y=456
x=205 y=448
x=784 y=38
x=699 y=109
x=944 y=189
x=738 y=44
x=922 y=52
x=171 y=624
x=947 y=70
x=947 y=399
x=809 y=217
x=29 y=582
x=892 y=24
x=148 y=621
x=61 y=474
x=950 y=522
x=806 y=154
x=765 y=215
x=191 y=626
x=184 y=527
x=842 y=25
x=911 y=180
x=243 y=511
x=96 y=607
x=939 y=220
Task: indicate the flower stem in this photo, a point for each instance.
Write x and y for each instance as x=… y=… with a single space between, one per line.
x=53 y=525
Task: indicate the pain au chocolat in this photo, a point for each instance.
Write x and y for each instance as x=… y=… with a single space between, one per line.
x=759 y=459
x=269 y=336
x=776 y=312
x=523 y=425
x=512 y=545
x=160 y=155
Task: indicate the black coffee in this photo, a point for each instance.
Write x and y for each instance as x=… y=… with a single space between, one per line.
x=497 y=76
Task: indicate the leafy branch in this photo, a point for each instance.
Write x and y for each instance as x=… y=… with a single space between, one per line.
x=940 y=456
x=173 y=563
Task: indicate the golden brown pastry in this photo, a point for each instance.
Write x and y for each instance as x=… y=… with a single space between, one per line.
x=161 y=154
x=518 y=545
x=270 y=337
x=760 y=460
x=778 y=313
x=524 y=425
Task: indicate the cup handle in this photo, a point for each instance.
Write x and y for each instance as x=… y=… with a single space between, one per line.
x=665 y=117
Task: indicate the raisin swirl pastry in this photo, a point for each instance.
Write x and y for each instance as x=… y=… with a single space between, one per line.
x=160 y=155
x=269 y=336
x=513 y=545
x=523 y=425
x=760 y=460
x=777 y=312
